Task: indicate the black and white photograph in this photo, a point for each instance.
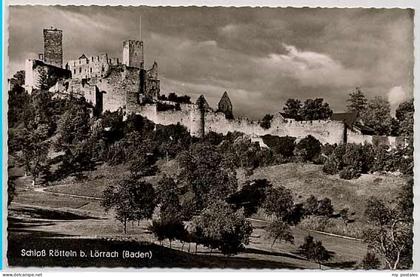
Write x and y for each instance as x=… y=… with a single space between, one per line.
x=210 y=137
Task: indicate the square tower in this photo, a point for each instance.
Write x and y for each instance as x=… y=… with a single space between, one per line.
x=53 y=47
x=133 y=53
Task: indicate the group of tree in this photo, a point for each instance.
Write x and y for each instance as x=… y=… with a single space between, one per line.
x=376 y=114
x=173 y=97
x=310 y=109
x=351 y=160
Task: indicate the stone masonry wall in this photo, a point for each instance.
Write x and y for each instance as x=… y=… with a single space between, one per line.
x=121 y=81
x=53 y=47
x=34 y=69
x=326 y=131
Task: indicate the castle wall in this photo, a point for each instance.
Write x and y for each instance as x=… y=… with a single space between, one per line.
x=189 y=116
x=115 y=87
x=326 y=131
x=353 y=137
x=91 y=67
x=37 y=71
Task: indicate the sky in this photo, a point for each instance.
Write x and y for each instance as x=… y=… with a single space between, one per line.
x=260 y=56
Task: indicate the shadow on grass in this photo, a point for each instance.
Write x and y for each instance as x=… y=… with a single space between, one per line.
x=344 y=265
x=277 y=254
x=160 y=256
x=21 y=236
x=34 y=212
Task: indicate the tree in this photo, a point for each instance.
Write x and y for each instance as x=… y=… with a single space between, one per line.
x=391 y=236
x=311 y=205
x=292 y=108
x=251 y=196
x=378 y=116
x=266 y=121
x=11 y=189
x=74 y=125
x=314 y=250
x=168 y=197
x=131 y=199
x=281 y=145
x=278 y=202
x=35 y=152
x=405 y=117
x=308 y=148
x=143 y=165
x=357 y=102
x=19 y=101
x=223 y=228
x=112 y=126
x=370 y=261
x=325 y=208
x=315 y=109
x=279 y=230
x=206 y=174
x=171 y=230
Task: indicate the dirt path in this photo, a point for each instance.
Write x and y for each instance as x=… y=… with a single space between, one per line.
x=43 y=190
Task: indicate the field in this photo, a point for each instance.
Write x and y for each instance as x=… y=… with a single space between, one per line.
x=68 y=215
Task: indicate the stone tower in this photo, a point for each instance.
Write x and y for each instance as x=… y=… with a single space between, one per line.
x=202 y=107
x=53 y=47
x=225 y=106
x=133 y=53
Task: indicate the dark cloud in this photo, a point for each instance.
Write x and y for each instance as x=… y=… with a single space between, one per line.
x=261 y=56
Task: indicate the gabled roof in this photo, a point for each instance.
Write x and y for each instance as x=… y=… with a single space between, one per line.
x=202 y=102
x=348 y=118
x=225 y=98
x=83 y=57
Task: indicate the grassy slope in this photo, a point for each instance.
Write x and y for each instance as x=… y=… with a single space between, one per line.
x=302 y=179
x=306 y=179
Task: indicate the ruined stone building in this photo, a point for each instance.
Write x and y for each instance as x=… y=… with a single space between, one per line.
x=109 y=84
x=225 y=106
x=53 y=47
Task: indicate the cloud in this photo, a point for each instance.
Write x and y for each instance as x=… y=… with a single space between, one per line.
x=311 y=68
x=260 y=56
x=396 y=96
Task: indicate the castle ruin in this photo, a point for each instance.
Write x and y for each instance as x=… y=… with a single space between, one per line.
x=109 y=84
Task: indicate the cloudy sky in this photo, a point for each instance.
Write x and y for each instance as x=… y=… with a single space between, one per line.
x=261 y=56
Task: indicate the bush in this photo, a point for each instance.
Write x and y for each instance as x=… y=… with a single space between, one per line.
x=325 y=208
x=370 y=261
x=251 y=196
x=349 y=173
x=308 y=148
x=331 y=166
x=320 y=159
x=280 y=145
x=314 y=250
x=313 y=206
x=327 y=149
x=266 y=121
x=350 y=160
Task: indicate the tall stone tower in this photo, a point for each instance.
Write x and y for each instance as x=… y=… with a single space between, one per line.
x=53 y=47
x=133 y=53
